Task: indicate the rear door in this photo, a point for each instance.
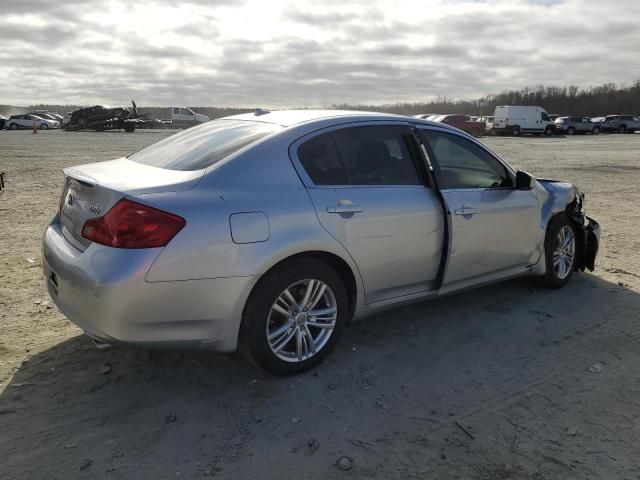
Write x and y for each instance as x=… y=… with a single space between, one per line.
x=369 y=194
x=494 y=227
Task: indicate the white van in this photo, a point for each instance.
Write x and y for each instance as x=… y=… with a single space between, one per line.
x=185 y=117
x=516 y=120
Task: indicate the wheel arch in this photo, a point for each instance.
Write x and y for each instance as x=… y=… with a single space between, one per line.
x=342 y=267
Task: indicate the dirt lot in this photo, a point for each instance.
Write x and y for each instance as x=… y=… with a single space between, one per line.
x=506 y=382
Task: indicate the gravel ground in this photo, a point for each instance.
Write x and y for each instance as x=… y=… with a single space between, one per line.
x=506 y=382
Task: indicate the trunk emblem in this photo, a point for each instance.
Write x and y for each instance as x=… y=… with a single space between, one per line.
x=70 y=199
x=94 y=209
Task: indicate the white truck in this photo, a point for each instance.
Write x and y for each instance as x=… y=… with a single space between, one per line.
x=182 y=117
x=516 y=120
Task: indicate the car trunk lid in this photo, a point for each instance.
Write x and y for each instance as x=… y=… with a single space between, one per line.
x=91 y=190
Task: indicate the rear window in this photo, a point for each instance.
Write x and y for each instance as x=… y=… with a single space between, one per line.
x=202 y=146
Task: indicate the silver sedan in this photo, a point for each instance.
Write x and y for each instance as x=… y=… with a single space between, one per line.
x=272 y=230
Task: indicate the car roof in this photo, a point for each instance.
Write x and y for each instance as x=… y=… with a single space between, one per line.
x=289 y=118
x=301 y=122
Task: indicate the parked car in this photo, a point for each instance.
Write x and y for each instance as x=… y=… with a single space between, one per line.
x=27 y=121
x=488 y=122
x=48 y=115
x=624 y=123
x=464 y=123
x=516 y=120
x=274 y=231
x=573 y=125
x=185 y=117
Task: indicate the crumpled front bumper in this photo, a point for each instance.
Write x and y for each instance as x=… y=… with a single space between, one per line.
x=588 y=244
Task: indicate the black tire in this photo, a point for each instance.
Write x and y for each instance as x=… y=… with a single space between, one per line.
x=44 y=126
x=622 y=129
x=257 y=310
x=571 y=131
x=13 y=126
x=551 y=278
x=129 y=127
x=515 y=131
x=596 y=130
x=548 y=131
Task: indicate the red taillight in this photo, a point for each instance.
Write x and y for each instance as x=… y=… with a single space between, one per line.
x=133 y=225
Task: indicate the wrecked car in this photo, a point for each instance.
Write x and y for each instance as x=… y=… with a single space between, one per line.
x=268 y=232
x=101 y=118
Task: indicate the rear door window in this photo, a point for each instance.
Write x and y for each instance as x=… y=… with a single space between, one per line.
x=377 y=155
x=369 y=155
x=202 y=146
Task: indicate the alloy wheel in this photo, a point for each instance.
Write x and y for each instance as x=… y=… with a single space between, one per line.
x=564 y=252
x=301 y=320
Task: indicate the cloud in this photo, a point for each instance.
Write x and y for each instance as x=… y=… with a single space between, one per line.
x=284 y=53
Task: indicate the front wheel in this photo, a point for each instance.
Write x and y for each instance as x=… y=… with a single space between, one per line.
x=515 y=131
x=596 y=130
x=622 y=129
x=13 y=126
x=548 y=131
x=44 y=126
x=560 y=252
x=294 y=316
x=571 y=131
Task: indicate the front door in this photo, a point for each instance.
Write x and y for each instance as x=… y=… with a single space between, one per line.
x=370 y=196
x=494 y=227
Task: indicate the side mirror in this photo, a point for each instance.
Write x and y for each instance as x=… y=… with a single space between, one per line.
x=524 y=181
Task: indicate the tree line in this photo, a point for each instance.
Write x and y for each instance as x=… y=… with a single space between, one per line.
x=593 y=101
x=601 y=100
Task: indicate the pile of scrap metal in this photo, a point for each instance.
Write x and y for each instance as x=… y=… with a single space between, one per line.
x=101 y=118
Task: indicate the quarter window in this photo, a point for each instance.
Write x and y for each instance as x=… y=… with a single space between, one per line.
x=463 y=164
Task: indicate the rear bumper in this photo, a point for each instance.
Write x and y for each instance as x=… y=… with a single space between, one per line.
x=103 y=290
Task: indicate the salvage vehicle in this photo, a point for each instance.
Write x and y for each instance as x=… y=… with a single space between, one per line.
x=517 y=120
x=464 y=123
x=624 y=123
x=268 y=232
x=573 y=125
x=101 y=118
x=27 y=121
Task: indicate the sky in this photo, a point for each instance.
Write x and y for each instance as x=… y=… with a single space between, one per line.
x=280 y=53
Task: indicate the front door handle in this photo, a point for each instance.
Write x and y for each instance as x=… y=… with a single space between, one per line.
x=467 y=211
x=344 y=209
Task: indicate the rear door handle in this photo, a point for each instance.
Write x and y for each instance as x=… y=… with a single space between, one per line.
x=344 y=209
x=467 y=211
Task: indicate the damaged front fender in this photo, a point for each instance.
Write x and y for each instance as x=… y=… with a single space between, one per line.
x=567 y=198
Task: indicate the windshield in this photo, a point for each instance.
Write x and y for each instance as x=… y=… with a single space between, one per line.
x=202 y=146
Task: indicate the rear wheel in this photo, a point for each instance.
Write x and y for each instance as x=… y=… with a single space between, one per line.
x=596 y=130
x=13 y=126
x=571 y=131
x=622 y=129
x=294 y=316
x=515 y=131
x=44 y=126
x=560 y=252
